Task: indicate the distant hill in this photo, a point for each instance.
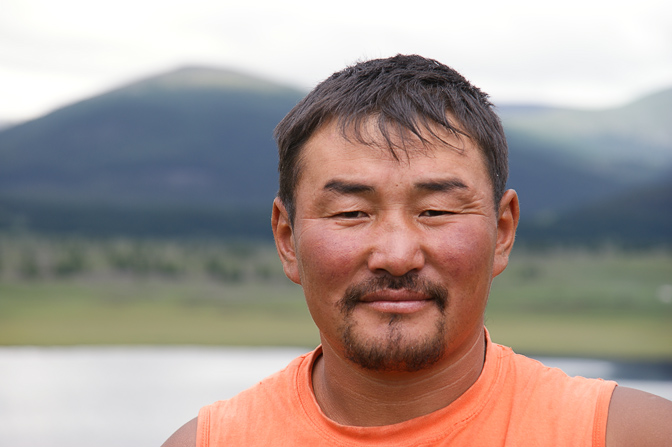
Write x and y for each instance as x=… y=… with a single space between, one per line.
x=642 y=217
x=191 y=152
x=633 y=142
x=547 y=179
x=574 y=169
x=179 y=153
x=194 y=135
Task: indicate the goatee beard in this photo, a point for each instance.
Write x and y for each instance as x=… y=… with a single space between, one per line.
x=396 y=352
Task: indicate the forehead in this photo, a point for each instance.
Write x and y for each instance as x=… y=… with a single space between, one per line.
x=332 y=146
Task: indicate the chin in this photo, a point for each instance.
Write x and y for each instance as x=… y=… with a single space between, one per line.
x=397 y=349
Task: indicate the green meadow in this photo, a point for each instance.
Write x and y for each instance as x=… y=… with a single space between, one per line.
x=65 y=291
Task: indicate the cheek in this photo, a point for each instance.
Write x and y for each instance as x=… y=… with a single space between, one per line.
x=327 y=259
x=465 y=267
x=328 y=263
x=465 y=253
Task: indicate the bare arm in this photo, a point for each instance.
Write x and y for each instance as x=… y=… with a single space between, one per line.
x=638 y=419
x=185 y=436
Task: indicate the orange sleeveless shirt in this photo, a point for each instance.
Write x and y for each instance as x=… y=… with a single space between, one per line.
x=515 y=402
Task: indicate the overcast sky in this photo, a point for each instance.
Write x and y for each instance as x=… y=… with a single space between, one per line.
x=579 y=53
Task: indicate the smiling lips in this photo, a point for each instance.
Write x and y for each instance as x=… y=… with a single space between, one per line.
x=400 y=301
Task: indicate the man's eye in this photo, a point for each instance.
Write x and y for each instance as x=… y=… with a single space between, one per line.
x=435 y=213
x=351 y=214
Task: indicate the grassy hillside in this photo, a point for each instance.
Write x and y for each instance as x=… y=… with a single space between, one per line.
x=56 y=291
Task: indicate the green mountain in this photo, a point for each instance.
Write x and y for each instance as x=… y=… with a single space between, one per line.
x=548 y=179
x=599 y=175
x=187 y=152
x=637 y=218
x=193 y=136
x=190 y=152
x=633 y=142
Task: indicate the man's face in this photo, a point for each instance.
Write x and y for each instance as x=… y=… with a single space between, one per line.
x=395 y=257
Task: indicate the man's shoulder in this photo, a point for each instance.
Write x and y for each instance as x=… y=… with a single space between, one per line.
x=554 y=383
x=185 y=436
x=637 y=418
x=633 y=417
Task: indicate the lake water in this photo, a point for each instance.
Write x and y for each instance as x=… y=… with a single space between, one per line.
x=137 y=396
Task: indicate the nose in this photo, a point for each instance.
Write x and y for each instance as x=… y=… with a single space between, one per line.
x=396 y=247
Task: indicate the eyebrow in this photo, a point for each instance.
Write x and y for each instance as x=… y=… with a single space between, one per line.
x=341 y=187
x=441 y=185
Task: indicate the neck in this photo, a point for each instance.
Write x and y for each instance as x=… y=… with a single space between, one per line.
x=351 y=395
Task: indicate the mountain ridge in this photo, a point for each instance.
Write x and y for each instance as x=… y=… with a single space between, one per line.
x=160 y=138
x=614 y=137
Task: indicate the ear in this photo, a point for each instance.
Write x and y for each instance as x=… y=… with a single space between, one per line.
x=284 y=240
x=507 y=222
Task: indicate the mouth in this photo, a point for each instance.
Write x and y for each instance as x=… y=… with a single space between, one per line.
x=398 y=301
x=400 y=295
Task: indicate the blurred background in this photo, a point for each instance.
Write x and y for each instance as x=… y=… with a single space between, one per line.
x=137 y=171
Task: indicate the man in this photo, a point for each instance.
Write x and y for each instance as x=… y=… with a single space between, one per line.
x=393 y=216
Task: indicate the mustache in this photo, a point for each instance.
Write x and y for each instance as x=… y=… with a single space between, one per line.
x=410 y=281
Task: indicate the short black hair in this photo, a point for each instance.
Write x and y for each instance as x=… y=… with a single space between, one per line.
x=403 y=92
